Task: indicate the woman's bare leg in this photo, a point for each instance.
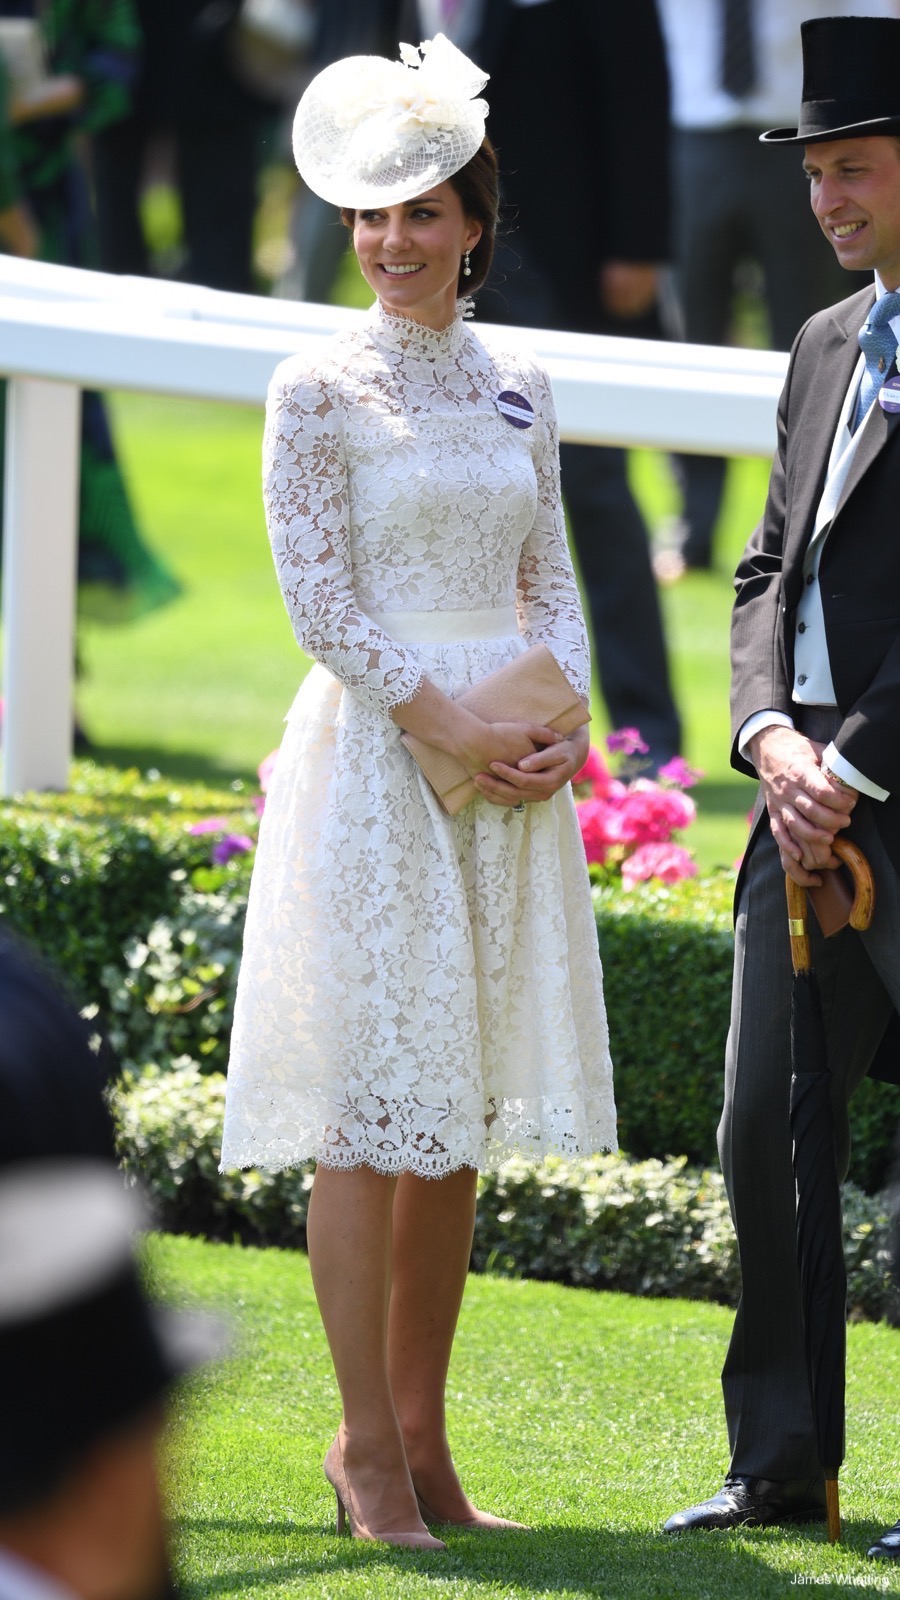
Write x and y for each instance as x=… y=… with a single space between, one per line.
x=434 y=1219
x=349 y=1229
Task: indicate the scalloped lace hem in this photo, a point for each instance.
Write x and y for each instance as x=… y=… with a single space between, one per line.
x=421 y=1168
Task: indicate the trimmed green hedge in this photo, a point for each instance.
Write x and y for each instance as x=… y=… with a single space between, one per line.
x=109 y=883
x=82 y=873
x=667 y=955
x=651 y=1227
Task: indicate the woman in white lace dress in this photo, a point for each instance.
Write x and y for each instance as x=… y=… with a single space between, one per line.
x=420 y=995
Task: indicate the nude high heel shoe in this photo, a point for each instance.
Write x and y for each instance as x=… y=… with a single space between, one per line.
x=347 y=1512
x=481 y=1522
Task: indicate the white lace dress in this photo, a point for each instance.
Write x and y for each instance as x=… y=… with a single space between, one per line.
x=417 y=992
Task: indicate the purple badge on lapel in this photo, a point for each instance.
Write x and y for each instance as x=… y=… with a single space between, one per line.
x=515 y=409
x=889 y=395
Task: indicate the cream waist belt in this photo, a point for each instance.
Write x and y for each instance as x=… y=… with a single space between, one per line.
x=445 y=627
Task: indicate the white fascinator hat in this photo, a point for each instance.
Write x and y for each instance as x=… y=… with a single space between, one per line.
x=373 y=132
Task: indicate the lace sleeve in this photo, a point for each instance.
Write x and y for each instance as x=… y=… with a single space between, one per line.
x=305 y=487
x=549 y=604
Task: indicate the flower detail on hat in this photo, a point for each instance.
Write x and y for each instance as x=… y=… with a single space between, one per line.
x=373 y=132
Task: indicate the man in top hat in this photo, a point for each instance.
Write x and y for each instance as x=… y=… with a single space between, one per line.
x=85 y=1363
x=816 y=707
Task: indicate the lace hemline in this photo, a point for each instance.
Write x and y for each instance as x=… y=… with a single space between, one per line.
x=494 y=1160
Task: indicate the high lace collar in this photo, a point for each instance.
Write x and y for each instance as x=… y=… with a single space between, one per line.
x=391 y=330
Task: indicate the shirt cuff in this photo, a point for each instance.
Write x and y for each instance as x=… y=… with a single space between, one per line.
x=756 y=723
x=838 y=764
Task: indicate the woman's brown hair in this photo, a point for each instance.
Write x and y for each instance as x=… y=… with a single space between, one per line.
x=478 y=188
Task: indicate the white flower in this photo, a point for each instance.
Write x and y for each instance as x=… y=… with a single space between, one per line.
x=396 y=106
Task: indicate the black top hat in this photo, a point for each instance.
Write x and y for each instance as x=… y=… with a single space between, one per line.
x=851 y=80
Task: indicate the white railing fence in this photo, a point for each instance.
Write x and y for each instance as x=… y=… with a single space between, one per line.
x=63 y=330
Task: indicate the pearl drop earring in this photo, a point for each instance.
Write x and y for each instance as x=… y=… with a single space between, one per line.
x=467 y=270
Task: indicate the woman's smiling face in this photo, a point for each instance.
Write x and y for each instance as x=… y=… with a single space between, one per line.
x=410 y=253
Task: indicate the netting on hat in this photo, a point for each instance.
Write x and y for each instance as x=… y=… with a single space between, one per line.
x=374 y=132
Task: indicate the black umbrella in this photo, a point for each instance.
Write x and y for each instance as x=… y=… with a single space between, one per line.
x=820 y=1249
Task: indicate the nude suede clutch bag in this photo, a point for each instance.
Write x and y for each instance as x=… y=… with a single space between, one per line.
x=530 y=688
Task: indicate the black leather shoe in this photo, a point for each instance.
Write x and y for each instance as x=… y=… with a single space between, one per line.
x=887 y=1548
x=754 y=1503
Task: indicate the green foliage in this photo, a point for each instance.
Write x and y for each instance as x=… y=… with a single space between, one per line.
x=84 y=873
x=109 y=883
x=175 y=995
x=667 y=954
x=169 y=1127
x=650 y=1227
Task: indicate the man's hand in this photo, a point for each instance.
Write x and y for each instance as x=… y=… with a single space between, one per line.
x=806 y=808
x=627 y=288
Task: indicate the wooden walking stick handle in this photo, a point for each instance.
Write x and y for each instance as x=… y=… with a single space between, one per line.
x=798 y=910
x=863 y=883
x=861 y=912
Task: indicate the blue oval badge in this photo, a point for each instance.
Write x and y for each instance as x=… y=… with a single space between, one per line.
x=515 y=409
x=889 y=395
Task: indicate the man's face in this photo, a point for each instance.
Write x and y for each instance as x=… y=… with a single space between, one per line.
x=855 y=194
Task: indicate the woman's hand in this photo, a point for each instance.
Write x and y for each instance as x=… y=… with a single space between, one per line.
x=537 y=776
x=489 y=745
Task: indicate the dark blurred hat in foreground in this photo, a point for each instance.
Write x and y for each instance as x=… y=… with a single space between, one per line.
x=83 y=1353
x=51 y=1101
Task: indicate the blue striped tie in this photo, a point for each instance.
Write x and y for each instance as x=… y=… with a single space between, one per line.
x=878 y=343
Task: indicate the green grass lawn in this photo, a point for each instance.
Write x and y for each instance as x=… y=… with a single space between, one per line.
x=200 y=688
x=590 y=1416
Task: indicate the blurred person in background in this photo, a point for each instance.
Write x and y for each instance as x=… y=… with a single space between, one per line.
x=735 y=67
x=71 y=83
x=18 y=235
x=579 y=116
x=188 y=93
x=318 y=238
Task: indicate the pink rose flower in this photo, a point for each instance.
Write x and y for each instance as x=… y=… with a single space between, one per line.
x=678 y=772
x=627 y=741
x=211 y=825
x=594 y=772
x=669 y=862
x=265 y=769
x=649 y=814
x=593 y=819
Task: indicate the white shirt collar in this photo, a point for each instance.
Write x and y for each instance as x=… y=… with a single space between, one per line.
x=21 y=1580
